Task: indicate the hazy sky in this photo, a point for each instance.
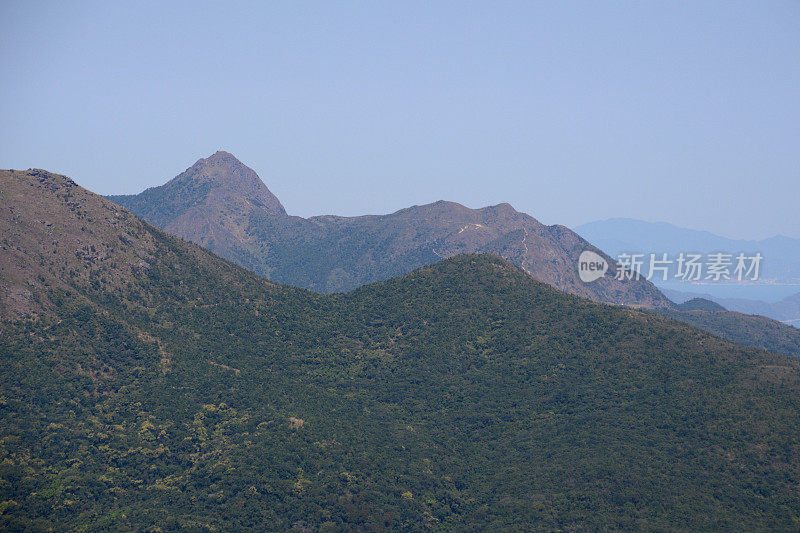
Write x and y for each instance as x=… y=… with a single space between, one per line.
x=683 y=112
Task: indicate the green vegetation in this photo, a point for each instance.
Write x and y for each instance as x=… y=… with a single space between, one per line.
x=700 y=304
x=191 y=394
x=463 y=395
x=750 y=330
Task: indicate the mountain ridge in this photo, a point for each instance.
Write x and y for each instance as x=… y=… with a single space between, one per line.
x=330 y=253
x=56 y=242
x=193 y=394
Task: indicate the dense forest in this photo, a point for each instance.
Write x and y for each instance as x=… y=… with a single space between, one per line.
x=186 y=393
x=750 y=330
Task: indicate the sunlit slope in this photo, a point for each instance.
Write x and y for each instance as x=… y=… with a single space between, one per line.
x=192 y=394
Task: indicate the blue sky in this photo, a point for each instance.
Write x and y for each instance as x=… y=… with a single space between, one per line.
x=687 y=112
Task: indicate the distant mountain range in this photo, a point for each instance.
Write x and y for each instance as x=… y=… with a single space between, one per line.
x=781 y=263
x=222 y=205
x=149 y=385
x=786 y=310
x=624 y=235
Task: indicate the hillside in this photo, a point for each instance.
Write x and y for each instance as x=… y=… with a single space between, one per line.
x=57 y=237
x=785 y=309
x=244 y=223
x=336 y=254
x=751 y=330
x=189 y=393
x=700 y=304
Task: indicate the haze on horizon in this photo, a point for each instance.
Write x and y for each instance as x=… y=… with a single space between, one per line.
x=685 y=113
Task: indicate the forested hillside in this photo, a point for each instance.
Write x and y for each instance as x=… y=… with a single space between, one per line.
x=188 y=393
x=751 y=330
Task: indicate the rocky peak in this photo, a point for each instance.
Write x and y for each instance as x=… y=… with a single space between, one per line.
x=223 y=173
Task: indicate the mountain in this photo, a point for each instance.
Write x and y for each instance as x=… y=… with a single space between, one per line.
x=205 y=203
x=149 y=385
x=331 y=254
x=617 y=235
x=750 y=330
x=700 y=304
x=785 y=310
x=57 y=237
x=336 y=254
x=209 y=186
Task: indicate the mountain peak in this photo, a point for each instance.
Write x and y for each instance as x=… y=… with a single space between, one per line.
x=222 y=154
x=202 y=192
x=222 y=172
x=503 y=208
x=223 y=158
